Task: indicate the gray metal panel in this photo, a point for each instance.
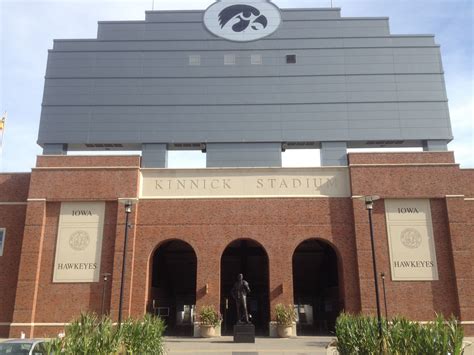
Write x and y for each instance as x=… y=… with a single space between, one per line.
x=55 y=149
x=154 y=156
x=435 y=146
x=287 y=14
x=195 y=30
x=333 y=154
x=243 y=155
x=356 y=82
x=220 y=91
x=221 y=45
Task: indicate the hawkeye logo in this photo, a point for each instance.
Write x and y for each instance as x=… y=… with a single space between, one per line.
x=242 y=21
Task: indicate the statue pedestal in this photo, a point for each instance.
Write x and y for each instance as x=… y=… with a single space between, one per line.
x=244 y=333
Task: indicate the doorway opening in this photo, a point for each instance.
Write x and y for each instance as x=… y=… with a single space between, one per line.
x=173 y=286
x=316 y=288
x=247 y=257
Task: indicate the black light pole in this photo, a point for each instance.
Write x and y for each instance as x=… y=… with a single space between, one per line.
x=128 y=210
x=384 y=295
x=369 y=205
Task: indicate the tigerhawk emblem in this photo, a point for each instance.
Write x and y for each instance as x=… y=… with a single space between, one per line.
x=242 y=16
x=242 y=21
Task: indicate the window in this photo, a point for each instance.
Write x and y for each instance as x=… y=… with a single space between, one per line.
x=195 y=59
x=291 y=59
x=2 y=240
x=229 y=59
x=256 y=59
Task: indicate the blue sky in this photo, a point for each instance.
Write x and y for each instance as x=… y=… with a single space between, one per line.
x=28 y=27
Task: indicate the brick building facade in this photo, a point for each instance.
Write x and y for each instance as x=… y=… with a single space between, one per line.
x=30 y=209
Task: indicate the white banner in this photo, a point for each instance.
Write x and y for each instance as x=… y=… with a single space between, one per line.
x=410 y=239
x=79 y=243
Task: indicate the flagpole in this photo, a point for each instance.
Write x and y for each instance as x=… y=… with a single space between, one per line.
x=2 y=131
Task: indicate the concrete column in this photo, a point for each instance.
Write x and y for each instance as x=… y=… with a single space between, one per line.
x=333 y=154
x=435 y=146
x=243 y=155
x=30 y=266
x=154 y=156
x=55 y=149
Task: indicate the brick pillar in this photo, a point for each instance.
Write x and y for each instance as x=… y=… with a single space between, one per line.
x=280 y=270
x=208 y=280
x=129 y=267
x=461 y=245
x=30 y=266
x=364 y=251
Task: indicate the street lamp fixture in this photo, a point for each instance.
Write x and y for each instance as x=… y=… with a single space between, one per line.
x=128 y=202
x=369 y=206
x=105 y=278
x=384 y=294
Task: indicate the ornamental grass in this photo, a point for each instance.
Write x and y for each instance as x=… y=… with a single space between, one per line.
x=359 y=334
x=91 y=334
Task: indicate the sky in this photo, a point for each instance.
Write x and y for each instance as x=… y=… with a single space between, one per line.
x=28 y=27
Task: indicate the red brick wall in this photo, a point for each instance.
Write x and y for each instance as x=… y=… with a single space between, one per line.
x=278 y=224
x=402 y=158
x=417 y=175
x=48 y=161
x=209 y=226
x=13 y=194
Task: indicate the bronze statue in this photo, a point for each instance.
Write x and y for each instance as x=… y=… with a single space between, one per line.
x=239 y=293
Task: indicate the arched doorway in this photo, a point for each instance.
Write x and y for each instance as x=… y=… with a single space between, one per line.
x=244 y=256
x=173 y=286
x=316 y=287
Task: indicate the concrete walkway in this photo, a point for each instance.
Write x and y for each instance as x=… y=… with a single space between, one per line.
x=263 y=346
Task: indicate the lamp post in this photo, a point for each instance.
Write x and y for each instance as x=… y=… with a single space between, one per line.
x=369 y=205
x=128 y=202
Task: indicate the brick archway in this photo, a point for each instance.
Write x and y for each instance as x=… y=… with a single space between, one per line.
x=173 y=285
x=317 y=288
x=250 y=258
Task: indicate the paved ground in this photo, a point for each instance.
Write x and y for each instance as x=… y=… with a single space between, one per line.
x=262 y=346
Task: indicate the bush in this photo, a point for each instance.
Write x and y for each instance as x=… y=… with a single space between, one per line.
x=144 y=336
x=90 y=334
x=285 y=315
x=358 y=334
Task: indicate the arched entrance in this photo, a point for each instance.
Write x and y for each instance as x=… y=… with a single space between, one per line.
x=316 y=287
x=250 y=259
x=173 y=286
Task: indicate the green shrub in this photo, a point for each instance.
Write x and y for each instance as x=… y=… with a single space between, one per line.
x=90 y=334
x=54 y=346
x=143 y=336
x=209 y=316
x=285 y=315
x=358 y=334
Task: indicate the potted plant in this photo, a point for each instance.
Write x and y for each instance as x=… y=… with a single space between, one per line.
x=284 y=316
x=209 y=319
